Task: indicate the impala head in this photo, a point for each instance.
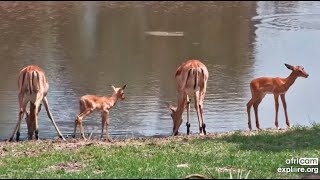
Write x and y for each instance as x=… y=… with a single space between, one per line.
x=177 y=120
x=119 y=91
x=298 y=70
x=29 y=114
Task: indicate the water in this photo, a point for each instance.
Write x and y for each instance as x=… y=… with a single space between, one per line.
x=84 y=47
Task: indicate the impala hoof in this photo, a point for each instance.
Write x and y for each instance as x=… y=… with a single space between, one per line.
x=204 y=129
x=62 y=138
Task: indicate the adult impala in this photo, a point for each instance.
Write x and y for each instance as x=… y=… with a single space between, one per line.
x=90 y=103
x=191 y=81
x=33 y=87
x=276 y=86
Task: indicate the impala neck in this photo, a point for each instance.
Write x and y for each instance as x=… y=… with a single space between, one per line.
x=112 y=100
x=290 y=79
x=180 y=108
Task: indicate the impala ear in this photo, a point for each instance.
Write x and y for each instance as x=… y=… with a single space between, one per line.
x=114 y=88
x=124 y=86
x=171 y=107
x=288 y=66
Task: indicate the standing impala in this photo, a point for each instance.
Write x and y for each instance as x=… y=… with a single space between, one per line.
x=33 y=87
x=90 y=103
x=191 y=80
x=276 y=86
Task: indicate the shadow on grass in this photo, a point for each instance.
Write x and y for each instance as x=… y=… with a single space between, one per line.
x=297 y=138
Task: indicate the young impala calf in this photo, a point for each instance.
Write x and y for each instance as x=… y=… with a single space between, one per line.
x=191 y=80
x=90 y=103
x=276 y=86
x=33 y=87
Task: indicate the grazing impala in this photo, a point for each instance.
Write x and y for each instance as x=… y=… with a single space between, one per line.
x=276 y=86
x=90 y=103
x=33 y=87
x=191 y=80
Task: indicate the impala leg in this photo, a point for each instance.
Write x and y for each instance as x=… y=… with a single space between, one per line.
x=35 y=110
x=80 y=118
x=255 y=107
x=36 y=126
x=76 y=122
x=28 y=126
x=17 y=125
x=249 y=105
x=31 y=121
x=201 y=113
x=188 y=116
x=103 y=117
x=283 y=99
x=22 y=105
x=46 y=105
x=18 y=129
x=31 y=128
x=196 y=105
x=82 y=109
x=107 y=126
x=276 y=100
x=75 y=128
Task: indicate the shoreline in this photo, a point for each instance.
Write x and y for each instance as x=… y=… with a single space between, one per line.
x=151 y=139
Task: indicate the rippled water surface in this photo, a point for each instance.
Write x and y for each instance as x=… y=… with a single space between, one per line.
x=84 y=47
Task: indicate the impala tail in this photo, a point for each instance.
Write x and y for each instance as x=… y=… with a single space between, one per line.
x=30 y=82
x=195 y=78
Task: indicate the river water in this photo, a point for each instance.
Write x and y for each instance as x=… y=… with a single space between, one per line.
x=84 y=47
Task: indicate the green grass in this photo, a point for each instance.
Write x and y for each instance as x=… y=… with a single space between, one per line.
x=215 y=156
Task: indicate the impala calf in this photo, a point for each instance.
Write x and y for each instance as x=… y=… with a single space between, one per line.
x=33 y=87
x=191 y=81
x=91 y=103
x=278 y=87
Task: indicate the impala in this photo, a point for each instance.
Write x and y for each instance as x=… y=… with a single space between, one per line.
x=278 y=87
x=33 y=87
x=191 y=81
x=90 y=103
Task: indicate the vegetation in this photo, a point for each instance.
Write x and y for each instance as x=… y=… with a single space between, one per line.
x=230 y=155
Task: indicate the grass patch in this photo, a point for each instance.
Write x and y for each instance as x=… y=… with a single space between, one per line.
x=215 y=156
